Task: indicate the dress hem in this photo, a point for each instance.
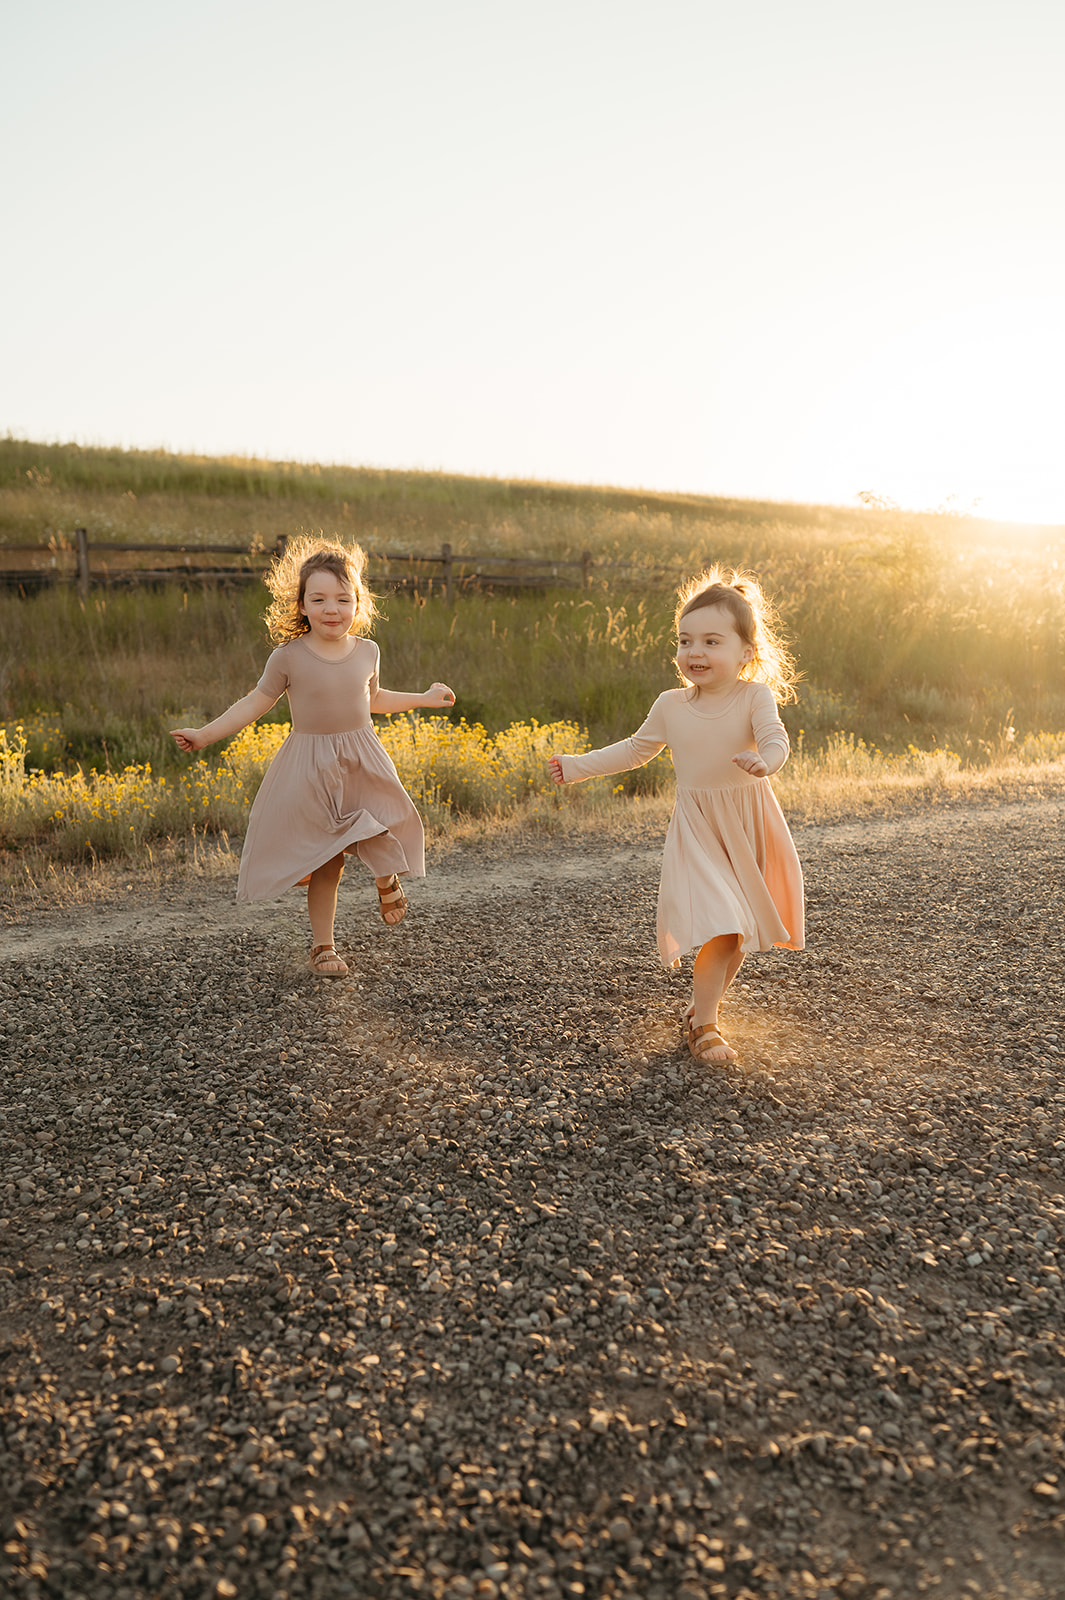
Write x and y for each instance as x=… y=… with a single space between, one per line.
x=354 y=838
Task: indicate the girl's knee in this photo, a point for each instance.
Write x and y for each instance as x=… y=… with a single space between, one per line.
x=328 y=869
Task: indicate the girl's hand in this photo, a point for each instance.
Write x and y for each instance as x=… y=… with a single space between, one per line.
x=554 y=767
x=752 y=762
x=439 y=695
x=189 y=739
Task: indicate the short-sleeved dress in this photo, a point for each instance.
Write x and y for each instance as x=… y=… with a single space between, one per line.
x=332 y=786
x=730 y=865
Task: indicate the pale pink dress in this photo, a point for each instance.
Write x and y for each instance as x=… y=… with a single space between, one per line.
x=730 y=865
x=332 y=786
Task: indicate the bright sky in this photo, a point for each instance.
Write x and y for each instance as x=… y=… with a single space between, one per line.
x=771 y=248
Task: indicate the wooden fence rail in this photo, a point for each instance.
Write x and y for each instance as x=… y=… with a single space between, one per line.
x=449 y=573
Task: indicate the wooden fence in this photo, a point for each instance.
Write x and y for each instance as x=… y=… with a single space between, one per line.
x=447 y=574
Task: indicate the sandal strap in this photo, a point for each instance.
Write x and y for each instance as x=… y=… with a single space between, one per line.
x=705 y=1038
x=706 y=1027
x=392 y=898
x=324 y=952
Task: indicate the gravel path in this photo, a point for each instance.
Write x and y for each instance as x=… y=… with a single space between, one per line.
x=460 y=1279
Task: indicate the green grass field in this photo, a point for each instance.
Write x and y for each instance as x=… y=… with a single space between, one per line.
x=936 y=632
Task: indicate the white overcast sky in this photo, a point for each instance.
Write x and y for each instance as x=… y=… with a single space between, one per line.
x=775 y=248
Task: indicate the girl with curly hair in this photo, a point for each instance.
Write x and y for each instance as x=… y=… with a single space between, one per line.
x=331 y=790
x=731 y=880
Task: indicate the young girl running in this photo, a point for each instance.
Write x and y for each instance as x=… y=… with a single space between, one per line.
x=731 y=880
x=331 y=789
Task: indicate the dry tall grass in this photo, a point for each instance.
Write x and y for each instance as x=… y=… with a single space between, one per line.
x=941 y=632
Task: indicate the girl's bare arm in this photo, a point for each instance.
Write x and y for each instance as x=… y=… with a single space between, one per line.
x=436 y=697
x=239 y=715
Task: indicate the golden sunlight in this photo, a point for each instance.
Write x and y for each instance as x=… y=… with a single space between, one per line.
x=963 y=410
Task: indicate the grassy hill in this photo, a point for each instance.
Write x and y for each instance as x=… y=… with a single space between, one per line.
x=910 y=629
x=46 y=490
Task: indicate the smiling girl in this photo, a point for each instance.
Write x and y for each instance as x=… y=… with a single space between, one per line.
x=731 y=880
x=331 y=790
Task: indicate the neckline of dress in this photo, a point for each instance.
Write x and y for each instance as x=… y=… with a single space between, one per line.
x=710 y=716
x=328 y=661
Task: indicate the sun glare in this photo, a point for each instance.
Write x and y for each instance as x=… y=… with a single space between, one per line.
x=965 y=409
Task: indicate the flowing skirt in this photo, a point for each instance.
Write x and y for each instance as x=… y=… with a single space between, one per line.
x=325 y=793
x=730 y=866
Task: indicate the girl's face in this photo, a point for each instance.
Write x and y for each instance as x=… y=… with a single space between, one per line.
x=710 y=652
x=329 y=605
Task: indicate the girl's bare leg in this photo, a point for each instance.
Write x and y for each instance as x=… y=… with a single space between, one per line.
x=716 y=965
x=731 y=970
x=322 y=899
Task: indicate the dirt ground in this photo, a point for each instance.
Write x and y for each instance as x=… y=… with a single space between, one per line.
x=460 y=1278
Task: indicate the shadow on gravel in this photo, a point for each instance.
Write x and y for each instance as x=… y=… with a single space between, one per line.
x=460 y=1279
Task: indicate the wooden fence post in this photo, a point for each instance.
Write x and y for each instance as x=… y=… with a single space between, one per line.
x=445 y=573
x=586 y=569
x=81 y=536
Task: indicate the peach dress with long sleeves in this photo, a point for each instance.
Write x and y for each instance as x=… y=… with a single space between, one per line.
x=730 y=865
x=332 y=786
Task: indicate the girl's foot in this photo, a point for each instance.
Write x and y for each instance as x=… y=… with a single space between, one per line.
x=326 y=963
x=393 y=901
x=706 y=1044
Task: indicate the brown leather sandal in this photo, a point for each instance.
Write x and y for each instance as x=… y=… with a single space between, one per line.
x=392 y=898
x=702 y=1040
x=326 y=963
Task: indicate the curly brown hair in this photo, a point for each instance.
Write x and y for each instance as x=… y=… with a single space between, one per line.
x=756 y=623
x=287 y=582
